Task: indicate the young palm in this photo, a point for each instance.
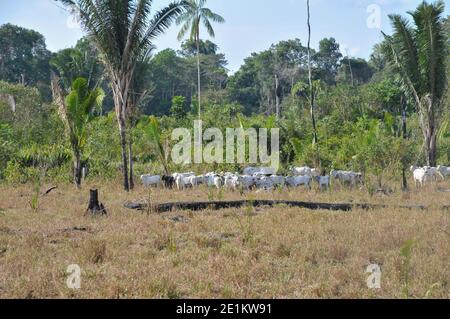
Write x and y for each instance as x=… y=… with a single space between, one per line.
x=123 y=31
x=195 y=15
x=76 y=110
x=420 y=54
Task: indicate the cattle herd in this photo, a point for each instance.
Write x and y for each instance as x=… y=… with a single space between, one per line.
x=266 y=178
x=425 y=174
x=263 y=178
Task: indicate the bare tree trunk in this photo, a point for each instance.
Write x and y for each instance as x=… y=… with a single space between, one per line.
x=77 y=169
x=350 y=69
x=430 y=133
x=199 y=78
x=130 y=154
x=405 y=137
x=123 y=144
x=311 y=89
x=277 y=97
x=120 y=91
x=431 y=142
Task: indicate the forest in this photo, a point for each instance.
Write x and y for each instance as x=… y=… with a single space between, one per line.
x=366 y=118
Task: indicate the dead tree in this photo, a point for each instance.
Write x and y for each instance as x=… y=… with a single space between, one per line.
x=95 y=208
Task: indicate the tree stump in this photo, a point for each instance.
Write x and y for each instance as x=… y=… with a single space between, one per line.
x=95 y=208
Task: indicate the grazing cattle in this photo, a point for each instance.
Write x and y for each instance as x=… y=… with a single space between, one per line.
x=323 y=181
x=208 y=179
x=168 y=181
x=346 y=177
x=301 y=171
x=179 y=182
x=150 y=180
x=433 y=173
x=264 y=183
x=231 y=181
x=260 y=171
x=185 y=177
x=296 y=181
x=444 y=170
x=278 y=181
x=192 y=181
x=218 y=182
x=247 y=181
x=420 y=175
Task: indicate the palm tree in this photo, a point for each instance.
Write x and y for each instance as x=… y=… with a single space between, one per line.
x=123 y=32
x=76 y=110
x=310 y=79
x=420 y=55
x=192 y=18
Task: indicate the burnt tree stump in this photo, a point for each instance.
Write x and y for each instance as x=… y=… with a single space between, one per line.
x=95 y=208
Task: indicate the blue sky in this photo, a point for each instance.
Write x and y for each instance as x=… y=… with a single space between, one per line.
x=251 y=25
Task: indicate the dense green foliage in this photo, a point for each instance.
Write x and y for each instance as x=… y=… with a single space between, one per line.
x=358 y=105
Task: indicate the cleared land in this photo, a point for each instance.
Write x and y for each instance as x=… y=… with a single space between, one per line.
x=263 y=252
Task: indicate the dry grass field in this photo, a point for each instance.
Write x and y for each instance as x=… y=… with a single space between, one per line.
x=241 y=253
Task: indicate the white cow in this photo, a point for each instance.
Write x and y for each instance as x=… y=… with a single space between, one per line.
x=444 y=170
x=346 y=177
x=296 y=181
x=231 y=181
x=179 y=182
x=259 y=171
x=218 y=182
x=247 y=181
x=301 y=171
x=323 y=181
x=433 y=173
x=420 y=175
x=278 y=181
x=265 y=183
x=151 y=180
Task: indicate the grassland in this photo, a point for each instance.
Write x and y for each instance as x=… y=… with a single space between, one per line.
x=247 y=253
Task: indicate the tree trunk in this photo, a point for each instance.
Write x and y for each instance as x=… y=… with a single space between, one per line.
x=311 y=89
x=95 y=208
x=199 y=79
x=120 y=91
x=277 y=97
x=123 y=144
x=130 y=156
x=405 y=137
x=430 y=132
x=77 y=169
x=431 y=150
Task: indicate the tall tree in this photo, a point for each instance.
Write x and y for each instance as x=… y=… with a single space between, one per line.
x=76 y=110
x=328 y=59
x=79 y=61
x=196 y=14
x=420 y=54
x=311 y=86
x=24 y=57
x=123 y=31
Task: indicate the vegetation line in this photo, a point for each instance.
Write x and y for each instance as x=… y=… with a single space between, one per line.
x=217 y=205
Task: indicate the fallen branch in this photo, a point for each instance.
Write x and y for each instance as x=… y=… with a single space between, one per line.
x=167 y=207
x=49 y=190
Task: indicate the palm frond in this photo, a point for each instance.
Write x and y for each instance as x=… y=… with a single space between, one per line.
x=208 y=14
x=161 y=21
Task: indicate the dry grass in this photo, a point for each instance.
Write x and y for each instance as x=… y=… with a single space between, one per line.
x=248 y=253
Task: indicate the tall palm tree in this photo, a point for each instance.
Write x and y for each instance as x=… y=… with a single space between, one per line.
x=195 y=15
x=123 y=31
x=76 y=110
x=310 y=79
x=420 y=54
